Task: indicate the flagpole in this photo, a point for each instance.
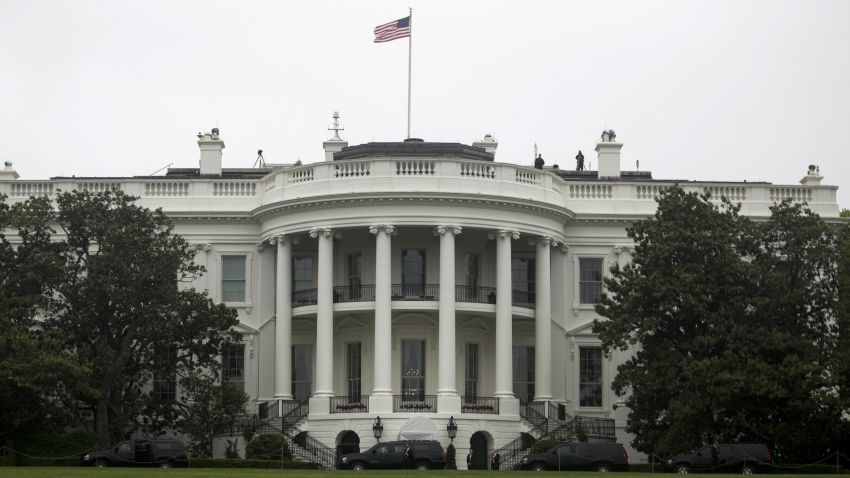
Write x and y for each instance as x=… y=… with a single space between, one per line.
x=409 y=68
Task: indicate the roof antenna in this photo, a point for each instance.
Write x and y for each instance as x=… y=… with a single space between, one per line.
x=259 y=160
x=336 y=128
x=535 y=149
x=160 y=169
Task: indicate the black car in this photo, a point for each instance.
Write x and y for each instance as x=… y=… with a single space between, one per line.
x=746 y=458
x=161 y=453
x=579 y=456
x=422 y=455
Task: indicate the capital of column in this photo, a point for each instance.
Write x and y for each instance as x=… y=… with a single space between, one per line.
x=618 y=250
x=261 y=246
x=321 y=232
x=386 y=229
x=547 y=241
x=564 y=249
x=503 y=234
x=454 y=230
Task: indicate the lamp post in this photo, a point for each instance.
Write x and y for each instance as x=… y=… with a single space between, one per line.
x=452 y=428
x=377 y=429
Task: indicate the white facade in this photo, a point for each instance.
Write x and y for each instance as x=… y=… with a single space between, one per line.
x=420 y=273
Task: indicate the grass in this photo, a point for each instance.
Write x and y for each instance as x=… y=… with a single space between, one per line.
x=60 y=472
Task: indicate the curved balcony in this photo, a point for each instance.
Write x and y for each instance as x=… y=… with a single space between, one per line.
x=413 y=293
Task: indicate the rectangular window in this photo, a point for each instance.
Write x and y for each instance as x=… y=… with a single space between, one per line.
x=165 y=374
x=302 y=371
x=522 y=280
x=354 y=266
x=233 y=367
x=413 y=370
x=590 y=377
x=523 y=373
x=302 y=273
x=233 y=278
x=473 y=269
x=590 y=280
x=471 y=388
x=354 y=374
x=413 y=272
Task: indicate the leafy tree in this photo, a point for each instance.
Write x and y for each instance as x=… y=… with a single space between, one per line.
x=845 y=213
x=32 y=365
x=731 y=327
x=119 y=307
x=211 y=409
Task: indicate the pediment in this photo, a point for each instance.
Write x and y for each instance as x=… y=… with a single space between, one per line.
x=582 y=329
x=350 y=323
x=475 y=324
x=414 y=320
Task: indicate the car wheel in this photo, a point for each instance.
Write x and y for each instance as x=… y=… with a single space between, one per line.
x=682 y=469
x=422 y=465
x=747 y=470
x=358 y=467
x=101 y=463
x=603 y=468
x=166 y=464
x=538 y=467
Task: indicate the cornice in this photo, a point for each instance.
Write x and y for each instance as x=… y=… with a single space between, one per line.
x=347 y=200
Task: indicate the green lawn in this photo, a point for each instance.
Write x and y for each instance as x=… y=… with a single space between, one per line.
x=58 y=472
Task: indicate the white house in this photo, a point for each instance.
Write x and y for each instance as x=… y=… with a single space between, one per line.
x=417 y=282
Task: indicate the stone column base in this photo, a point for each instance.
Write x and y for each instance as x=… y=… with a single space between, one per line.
x=509 y=406
x=448 y=404
x=320 y=405
x=380 y=404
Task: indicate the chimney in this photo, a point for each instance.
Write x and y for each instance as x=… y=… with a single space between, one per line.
x=488 y=143
x=608 y=155
x=335 y=144
x=8 y=174
x=211 y=145
x=812 y=177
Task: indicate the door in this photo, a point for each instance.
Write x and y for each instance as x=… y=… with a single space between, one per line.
x=478 y=448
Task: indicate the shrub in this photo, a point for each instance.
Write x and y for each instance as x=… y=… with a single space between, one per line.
x=544 y=445
x=451 y=457
x=268 y=447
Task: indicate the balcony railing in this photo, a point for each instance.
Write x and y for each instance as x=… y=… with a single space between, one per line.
x=360 y=293
x=415 y=403
x=488 y=405
x=348 y=404
x=412 y=292
x=415 y=292
x=305 y=297
x=474 y=294
x=595 y=427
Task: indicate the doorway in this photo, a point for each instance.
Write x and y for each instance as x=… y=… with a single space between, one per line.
x=478 y=448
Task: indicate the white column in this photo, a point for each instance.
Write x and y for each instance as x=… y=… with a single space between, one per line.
x=381 y=400
x=543 y=322
x=447 y=397
x=504 y=315
x=283 y=319
x=324 y=315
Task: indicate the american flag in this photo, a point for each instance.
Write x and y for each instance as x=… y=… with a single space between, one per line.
x=393 y=30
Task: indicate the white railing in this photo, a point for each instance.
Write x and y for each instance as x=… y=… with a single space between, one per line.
x=27 y=189
x=477 y=169
x=235 y=188
x=167 y=188
x=795 y=194
x=527 y=177
x=422 y=167
x=349 y=169
x=591 y=191
x=732 y=193
x=300 y=175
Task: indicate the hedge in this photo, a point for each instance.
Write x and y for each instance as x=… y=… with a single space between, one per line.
x=229 y=463
x=50 y=449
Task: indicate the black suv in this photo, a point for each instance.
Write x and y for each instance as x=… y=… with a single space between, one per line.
x=579 y=456
x=161 y=453
x=424 y=454
x=746 y=458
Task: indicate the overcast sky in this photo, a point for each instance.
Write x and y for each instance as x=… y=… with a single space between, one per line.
x=708 y=90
